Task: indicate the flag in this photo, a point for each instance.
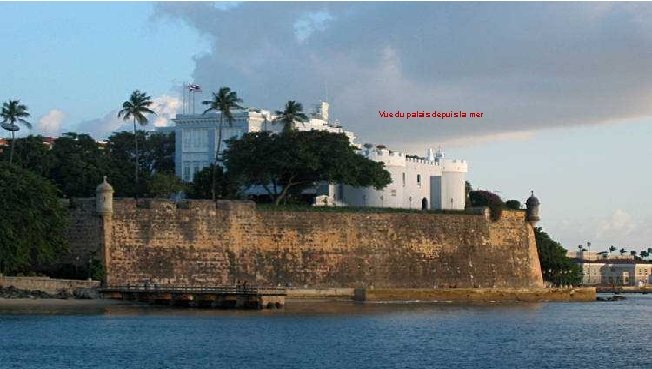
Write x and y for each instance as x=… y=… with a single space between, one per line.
x=194 y=88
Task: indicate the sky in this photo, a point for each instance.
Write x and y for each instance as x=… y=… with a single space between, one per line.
x=564 y=88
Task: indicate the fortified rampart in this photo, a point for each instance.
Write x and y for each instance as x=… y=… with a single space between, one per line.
x=202 y=243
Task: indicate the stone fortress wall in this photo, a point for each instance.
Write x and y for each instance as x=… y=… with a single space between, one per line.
x=202 y=243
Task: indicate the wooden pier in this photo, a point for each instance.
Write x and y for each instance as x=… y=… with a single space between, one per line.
x=220 y=297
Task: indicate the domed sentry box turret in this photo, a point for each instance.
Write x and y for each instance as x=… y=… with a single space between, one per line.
x=104 y=198
x=532 y=205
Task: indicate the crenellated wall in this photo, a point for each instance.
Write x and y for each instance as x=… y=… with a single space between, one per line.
x=199 y=243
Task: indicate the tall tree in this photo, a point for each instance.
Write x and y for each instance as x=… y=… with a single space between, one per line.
x=291 y=115
x=286 y=164
x=557 y=268
x=14 y=112
x=136 y=109
x=33 y=220
x=223 y=101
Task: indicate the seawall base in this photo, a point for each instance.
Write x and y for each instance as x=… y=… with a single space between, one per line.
x=584 y=294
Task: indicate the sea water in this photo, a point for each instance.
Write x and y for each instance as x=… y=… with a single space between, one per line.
x=332 y=335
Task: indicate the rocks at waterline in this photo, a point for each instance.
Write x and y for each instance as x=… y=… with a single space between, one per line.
x=610 y=298
x=12 y=292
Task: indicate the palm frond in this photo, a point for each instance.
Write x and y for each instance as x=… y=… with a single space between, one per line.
x=136 y=107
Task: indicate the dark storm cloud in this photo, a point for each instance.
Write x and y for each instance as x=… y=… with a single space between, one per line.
x=526 y=66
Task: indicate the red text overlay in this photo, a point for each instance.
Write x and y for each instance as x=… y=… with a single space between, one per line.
x=423 y=114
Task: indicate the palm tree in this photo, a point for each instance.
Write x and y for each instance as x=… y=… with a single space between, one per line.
x=135 y=109
x=622 y=251
x=14 y=112
x=612 y=248
x=223 y=101
x=292 y=115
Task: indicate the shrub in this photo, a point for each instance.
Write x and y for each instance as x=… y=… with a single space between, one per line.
x=490 y=199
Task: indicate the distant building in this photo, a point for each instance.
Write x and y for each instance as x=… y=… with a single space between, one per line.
x=598 y=256
x=47 y=141
x=430 y=182
x=619 y=273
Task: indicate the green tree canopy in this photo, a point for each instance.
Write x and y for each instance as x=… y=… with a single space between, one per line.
x=32 y=220
x=202 y=185
x=490 y=199
x=32 y=154
x=287 y=164
x=78 y=164
x=513 y=204
x=156 y=156
x=163 y=185
x=557 y=268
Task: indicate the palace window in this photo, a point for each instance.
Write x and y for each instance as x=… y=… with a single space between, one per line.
x=403 y=179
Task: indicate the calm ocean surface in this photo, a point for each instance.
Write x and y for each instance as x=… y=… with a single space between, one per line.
x=332 y=335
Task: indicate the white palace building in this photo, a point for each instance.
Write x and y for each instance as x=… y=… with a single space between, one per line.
x=430 y=182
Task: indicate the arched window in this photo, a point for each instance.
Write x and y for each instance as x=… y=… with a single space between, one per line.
x=403 y=179
x=419 y=179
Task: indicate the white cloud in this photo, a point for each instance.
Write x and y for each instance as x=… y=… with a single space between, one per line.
x=164 y=106
x=50 y=123
x=619 y=226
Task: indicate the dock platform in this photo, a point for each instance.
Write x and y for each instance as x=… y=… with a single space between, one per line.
x=218 y=297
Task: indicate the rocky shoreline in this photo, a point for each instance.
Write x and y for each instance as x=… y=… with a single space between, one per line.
x=12 y=292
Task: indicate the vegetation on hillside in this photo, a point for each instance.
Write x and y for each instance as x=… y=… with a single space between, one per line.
x=32 y=220
x=556 y=267
x=76 y=163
